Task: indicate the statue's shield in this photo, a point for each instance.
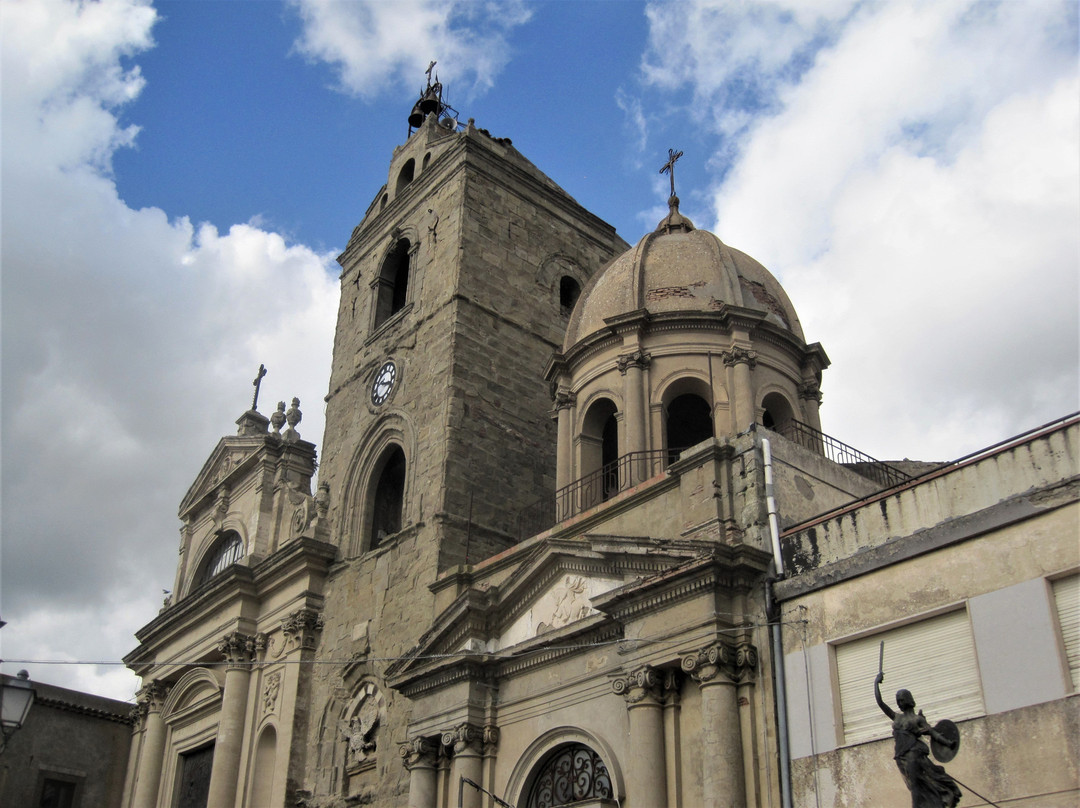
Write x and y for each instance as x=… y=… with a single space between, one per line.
x=947 y=729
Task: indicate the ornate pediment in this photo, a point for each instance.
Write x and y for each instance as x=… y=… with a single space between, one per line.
x=230 y=454
x=567 y=600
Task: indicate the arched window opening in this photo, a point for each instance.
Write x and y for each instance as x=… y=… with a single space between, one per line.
x=427 y=159
x=383 y=201
x=405 y=176
x=571 y=773
x=389 y=496
x=393 y=282
x=689 y=422
x=600 y=453
x=569 y=292
x=228 y=549
x=776 y=414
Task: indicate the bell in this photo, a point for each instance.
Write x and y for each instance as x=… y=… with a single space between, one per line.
x=430 y=102
x=416 y=117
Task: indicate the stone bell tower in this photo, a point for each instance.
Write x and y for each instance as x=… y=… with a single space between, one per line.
x=455 y=288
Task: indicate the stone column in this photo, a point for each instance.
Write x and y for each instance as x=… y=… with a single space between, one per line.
x=420 y=757
x=238 y=650
x=647 y=776
x=564 y=464
x=718 y=670
x=631 y=366
x=151 y=699
x=742 y=361
x=467 y=743
x=810 y=395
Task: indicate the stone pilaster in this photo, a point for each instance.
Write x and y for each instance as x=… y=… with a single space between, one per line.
x=421 y=757
x=810 y=395
x=239 y=652
x=643 y=689
x=150 y=700
x=718 y=669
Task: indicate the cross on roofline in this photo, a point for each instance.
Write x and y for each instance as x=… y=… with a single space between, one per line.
x=669 y=167
x=257 y=383
x=430 y=67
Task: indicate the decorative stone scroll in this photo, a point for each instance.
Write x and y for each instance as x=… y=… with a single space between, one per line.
x=734 y=663
x=644 y=684
x=419 y=752
x=739 y=356
x=464 y=738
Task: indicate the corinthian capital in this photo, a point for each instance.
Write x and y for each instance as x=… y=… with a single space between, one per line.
x=238 y=649
x=738 y=356
x=151 y=697
x=637 y=359
x=564 y=398
x=810 y=391
x=300 y=628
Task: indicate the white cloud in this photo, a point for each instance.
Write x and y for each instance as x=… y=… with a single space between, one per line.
x=130 y=341
x=378 y=45
x=914 y=185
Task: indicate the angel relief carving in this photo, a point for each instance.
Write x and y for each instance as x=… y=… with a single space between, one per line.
x=569 y=603
x=360 y=731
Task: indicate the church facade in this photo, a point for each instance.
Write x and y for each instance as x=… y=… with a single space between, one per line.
x=565 y=503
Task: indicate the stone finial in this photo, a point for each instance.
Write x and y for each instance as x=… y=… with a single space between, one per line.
x=293 y=416
x=277 y=420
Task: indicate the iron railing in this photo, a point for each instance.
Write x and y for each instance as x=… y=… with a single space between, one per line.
x=839 y=452
x=604 y=483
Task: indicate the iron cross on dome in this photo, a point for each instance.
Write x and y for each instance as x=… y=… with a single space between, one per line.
x=669 y=167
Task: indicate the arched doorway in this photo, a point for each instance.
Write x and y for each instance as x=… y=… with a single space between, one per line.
x=777 y=413
x=689 y=422
x=600 y=452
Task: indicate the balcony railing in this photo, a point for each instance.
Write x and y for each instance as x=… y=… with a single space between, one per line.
x=839 y=452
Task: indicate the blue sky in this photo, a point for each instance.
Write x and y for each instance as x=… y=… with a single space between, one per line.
x=178 y=177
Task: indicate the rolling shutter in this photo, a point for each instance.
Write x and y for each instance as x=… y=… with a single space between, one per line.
x=1067 y=600
x=934 y=659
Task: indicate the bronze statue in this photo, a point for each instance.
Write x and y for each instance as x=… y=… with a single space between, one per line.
x=929 y=784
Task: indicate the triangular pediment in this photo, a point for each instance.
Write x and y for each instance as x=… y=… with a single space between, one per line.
x=550 y=592
x=230 y=454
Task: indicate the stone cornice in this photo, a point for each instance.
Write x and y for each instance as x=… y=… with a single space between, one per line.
x=301 y=556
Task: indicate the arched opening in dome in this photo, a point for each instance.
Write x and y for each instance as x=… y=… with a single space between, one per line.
x=389 y=496
x=392 y=285
x=405 y=176
x=777 y=413
x=569 y=292
x=689 y=422
x=600 y=450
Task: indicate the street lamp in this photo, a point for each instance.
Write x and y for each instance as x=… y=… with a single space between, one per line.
x=16 y=696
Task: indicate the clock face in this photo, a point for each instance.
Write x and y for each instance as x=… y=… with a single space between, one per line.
x=383 y=383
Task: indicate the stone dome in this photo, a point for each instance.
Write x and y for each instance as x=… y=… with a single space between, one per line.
x=679 y=268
